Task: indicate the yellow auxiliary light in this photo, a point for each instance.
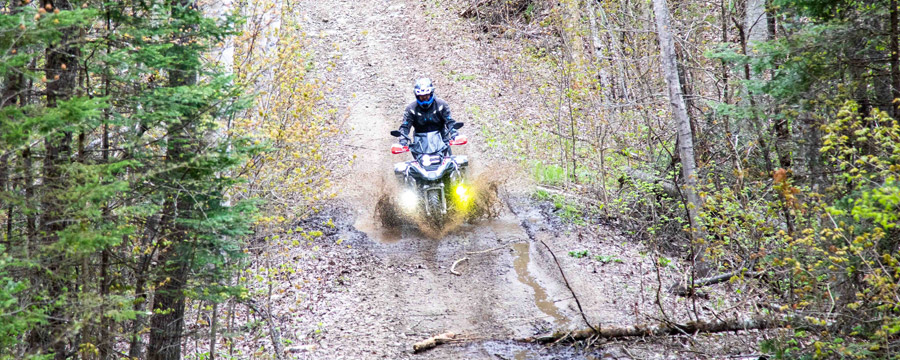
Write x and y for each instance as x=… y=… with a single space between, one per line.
x=463 y=193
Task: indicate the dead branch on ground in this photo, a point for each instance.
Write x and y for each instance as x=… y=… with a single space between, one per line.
x=433 y=341
x=472 y=9
x=453 y=267
x=693 y=327
x=667 y=186
x=485 y=251
x=688 y=290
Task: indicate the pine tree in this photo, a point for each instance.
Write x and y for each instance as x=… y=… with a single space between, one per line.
x=113 y=182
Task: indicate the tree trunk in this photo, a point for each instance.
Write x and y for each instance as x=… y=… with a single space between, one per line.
x=167 y=323
x=682 y=122
x=4 y=176
x=136 y=347
x=895 y=59
x=61 y=70
x=12 y=86
x=755 y=20
x=761 y=138
x=782 y=129
x=30 y=220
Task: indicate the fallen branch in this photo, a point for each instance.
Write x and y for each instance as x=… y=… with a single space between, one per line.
x=612 y=332
x=668 y=187
x=433 y=341
x=453 y=268
x=688 y=290
x=485 y=251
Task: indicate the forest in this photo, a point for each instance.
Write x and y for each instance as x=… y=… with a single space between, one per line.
x=182 y=178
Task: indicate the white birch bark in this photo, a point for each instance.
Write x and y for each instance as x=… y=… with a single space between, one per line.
x=755 y=21
x=679 y=111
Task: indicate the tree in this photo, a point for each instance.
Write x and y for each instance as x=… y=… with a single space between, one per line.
x=108 y=173
x=198 y=227
x=682 y=125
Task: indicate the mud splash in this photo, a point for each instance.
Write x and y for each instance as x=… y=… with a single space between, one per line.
x=485 y=203
x=541 y=300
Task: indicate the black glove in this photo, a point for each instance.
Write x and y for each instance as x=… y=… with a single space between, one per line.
x=404 y=142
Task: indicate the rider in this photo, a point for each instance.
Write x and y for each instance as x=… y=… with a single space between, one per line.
x=427 y=114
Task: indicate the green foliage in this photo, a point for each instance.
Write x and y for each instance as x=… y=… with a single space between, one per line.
x=547 y=174
x=458 y=76
x=853 y=238
x=287 y=117
x=564 y=208
x=19 y=317
x=664 y=261
x=607 y=259
x=568 y=211
x=578 y=254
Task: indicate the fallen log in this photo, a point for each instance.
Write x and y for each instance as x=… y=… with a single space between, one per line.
x=758 y=322
x=668 y=187
x=688 y=289
x=433 y=341
x=690 y=328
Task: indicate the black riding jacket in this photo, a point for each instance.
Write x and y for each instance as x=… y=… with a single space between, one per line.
x=435 y=117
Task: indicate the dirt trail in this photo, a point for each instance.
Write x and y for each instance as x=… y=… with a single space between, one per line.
x=377 y=291
x=378 y=48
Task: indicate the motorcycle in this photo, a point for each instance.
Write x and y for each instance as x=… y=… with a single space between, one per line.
x=433 y=176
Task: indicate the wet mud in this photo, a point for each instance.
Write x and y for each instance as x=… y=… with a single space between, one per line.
x=541 y=300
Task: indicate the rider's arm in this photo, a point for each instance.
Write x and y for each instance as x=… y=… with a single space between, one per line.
x=448 y=120
x=407 y=123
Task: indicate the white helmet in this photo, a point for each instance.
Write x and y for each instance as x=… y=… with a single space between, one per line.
x=424 y=90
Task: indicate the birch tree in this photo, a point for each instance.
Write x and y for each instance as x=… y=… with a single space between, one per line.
x=682 y=121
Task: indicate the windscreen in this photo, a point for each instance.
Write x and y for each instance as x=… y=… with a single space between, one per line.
x=428 y=143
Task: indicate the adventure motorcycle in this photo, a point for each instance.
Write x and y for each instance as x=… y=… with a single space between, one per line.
x=433 y=176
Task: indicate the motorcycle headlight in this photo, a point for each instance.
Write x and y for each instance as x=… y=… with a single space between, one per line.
x=408 y=200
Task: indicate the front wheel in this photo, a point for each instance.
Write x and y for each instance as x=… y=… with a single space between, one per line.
x=435 y=206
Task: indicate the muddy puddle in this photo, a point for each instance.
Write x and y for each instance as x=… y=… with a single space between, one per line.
x=384 y=235
x=518 y=351
x=541 y=300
